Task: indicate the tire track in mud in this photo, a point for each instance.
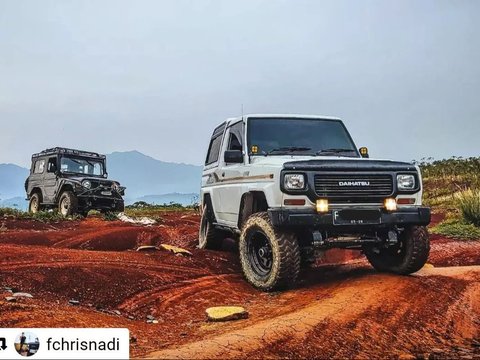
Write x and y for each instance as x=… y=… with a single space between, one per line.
x=175 y=292
x=121 y=265
x=291 y=330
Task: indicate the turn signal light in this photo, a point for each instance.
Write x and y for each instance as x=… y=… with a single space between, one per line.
x=297 y=202
x=322 y=205
x=391 y=204
x=406 y=201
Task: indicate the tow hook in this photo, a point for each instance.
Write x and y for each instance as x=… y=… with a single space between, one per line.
x=392 y=237
x=317 y=239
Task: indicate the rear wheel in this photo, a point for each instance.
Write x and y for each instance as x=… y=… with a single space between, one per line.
x=34 y=205
x=68 y=204
x=408 y=256
x=120 y=207
x=208 y=236
x=270 y=257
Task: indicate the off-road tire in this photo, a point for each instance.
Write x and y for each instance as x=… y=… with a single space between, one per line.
x=285 y=252
x=208 y=236
x=34 y=205
x=68 y=204
x=415 y=247
x=120 y=207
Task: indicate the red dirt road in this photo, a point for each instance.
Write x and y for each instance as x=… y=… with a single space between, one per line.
x=336 y=311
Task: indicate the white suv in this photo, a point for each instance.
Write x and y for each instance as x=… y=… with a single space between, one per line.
x=293 y=186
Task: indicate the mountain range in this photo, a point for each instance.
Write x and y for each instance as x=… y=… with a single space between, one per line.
x=147 y=179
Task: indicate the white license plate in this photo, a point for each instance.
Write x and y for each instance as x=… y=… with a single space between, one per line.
x=106 y=193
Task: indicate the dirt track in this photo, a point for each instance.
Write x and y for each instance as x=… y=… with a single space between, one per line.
x=337 y=310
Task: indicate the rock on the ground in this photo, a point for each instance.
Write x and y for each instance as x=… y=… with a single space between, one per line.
x=11 y=299
x=139 y=221
x=22 y=294
x=226 y=313
x=147 y=248
x=74 y=302
x=150 y=317
x=175 y=249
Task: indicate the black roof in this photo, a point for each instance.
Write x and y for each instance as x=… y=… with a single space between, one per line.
x=61 y=150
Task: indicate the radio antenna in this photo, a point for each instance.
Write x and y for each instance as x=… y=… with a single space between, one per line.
x=242 y=110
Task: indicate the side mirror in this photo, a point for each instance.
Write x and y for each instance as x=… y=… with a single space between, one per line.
x=233 y=156
x=364 y=152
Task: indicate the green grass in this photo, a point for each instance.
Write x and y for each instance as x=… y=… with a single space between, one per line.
x=444 y=179
x=140 y=209
x=457 y=229
x=43 y=216
x=469 y=205
x=451 y=186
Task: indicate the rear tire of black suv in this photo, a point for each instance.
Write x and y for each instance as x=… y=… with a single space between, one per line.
x=270 y=257
x=68 y=204
x=409 y=256
x=120 y=207
x=34 y=205
x=208 y=236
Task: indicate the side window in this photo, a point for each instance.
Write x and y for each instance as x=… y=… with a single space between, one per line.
x=52 y=165
x=39 y=167
x=214 y=150
x=234 y=143
x=236 y=137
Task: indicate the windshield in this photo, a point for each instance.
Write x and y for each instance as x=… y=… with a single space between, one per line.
x=83 y=166
x=299 y=137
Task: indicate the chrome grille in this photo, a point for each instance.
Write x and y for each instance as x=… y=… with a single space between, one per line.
x=353 y=186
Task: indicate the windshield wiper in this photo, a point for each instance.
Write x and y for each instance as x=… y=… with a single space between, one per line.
x=287 y=149
x=334 y=151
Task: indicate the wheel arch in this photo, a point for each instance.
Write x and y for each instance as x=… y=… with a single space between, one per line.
x=36 y=190
x=251 y=202
x=65 y=186
x=208 y=203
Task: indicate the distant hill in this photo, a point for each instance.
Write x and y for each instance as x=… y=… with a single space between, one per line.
x=184 y=199
x=143 y=175
x=147 y=179
x=12 y=181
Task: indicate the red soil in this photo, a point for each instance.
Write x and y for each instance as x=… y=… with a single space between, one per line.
x=336 y=311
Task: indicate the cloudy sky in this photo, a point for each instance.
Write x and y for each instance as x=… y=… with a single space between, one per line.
x=157 y=76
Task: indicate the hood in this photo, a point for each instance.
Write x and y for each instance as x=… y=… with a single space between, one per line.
x=93 y=179
x=349 y=165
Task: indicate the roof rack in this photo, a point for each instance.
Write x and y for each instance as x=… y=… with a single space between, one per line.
x=60 y=151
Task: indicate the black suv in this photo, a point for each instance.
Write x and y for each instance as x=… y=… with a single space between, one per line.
x=73 y=181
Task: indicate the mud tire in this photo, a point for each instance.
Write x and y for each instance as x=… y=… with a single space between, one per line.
x=208 y=236
x=410 y=257
x=34 y=205
x=284 y=249
x=68 y=204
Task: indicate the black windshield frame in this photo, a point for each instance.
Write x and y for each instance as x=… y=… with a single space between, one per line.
x=89 y=160
x=349 y=143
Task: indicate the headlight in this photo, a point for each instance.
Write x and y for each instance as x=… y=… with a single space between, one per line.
x=294 y=181
x=86 y=184
x=405 y=182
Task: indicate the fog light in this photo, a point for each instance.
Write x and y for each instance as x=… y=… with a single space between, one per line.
x=391 y=204
x=322 y=205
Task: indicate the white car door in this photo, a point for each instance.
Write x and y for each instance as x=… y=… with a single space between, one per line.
x=230 y=187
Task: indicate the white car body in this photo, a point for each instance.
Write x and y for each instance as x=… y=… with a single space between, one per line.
x=225 y=184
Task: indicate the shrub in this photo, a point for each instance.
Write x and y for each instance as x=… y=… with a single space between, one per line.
x=458 y=230
x=469 y=204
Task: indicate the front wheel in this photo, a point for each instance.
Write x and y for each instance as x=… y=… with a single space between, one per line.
x=270 y=257
x=408 y=256
x=68 y=204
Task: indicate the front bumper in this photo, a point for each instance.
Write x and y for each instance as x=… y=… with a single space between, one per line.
x=99 y=202
x=282 y=217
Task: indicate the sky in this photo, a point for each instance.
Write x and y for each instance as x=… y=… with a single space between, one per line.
x=158 y=76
